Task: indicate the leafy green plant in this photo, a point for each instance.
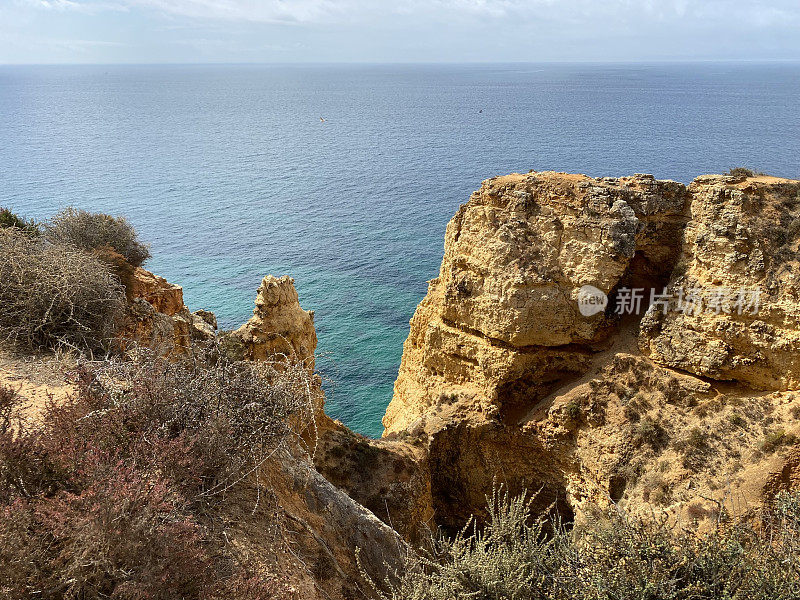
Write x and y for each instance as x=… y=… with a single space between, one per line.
x=573 y=410
x=10 y=219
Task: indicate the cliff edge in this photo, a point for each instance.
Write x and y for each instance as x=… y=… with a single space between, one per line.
x=667 y=387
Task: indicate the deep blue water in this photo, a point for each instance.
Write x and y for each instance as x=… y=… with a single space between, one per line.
x=229 y=173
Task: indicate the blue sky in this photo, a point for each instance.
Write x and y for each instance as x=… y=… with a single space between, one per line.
x=157 y=31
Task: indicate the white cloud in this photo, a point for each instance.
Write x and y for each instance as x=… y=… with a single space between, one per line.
x=59 y=4
x=404 y=30
x=756 y=12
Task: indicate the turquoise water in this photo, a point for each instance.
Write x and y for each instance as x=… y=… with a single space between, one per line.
x=230 y=174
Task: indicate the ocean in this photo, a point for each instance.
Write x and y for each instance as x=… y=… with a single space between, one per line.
x=230 y=173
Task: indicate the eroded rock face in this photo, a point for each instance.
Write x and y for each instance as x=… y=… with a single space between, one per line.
x=501 y=321
x=741 y=251
x=163 y=296
x=204 y=325
x=158 y=319
x=279 y=326
x=503 y=380
x=324 y=529
x=388 y=478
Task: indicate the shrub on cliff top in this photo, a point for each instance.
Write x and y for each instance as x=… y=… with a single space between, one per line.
x=611 y=557
x=743 y=172
x=93 y=231
x=55 y=296
x=113 y=495
x=9 y=219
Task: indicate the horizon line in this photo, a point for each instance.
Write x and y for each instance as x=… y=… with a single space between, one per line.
x=654 y=61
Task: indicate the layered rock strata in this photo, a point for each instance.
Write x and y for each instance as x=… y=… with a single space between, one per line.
x=504 y=380
x=157 y=318
x=501 y=322
x=739 y=274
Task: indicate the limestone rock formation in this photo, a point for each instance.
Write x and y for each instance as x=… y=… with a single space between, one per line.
x=503 y=380
x=501 y=321
x=163 y=296
x=157 y=317
x=204 y=325
x=740 y=257
x=279 y=326
x=388 y=478
x=309 y=531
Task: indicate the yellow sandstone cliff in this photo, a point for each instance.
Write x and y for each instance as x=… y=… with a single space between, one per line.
x=503 y=380
x=742 y=241
x=157 y=318
x=279 y=327
x=387 y=477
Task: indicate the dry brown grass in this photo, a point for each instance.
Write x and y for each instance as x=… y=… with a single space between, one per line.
x=117 y=491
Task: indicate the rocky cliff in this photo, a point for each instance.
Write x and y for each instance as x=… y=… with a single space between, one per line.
x=622 y=340
x=740 y=249
x=157 y=318
x=505 y=380
x=387 y=477
x=501 y=322
x=279 y=327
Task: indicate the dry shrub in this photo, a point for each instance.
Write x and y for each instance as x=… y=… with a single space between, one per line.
x=54 y=296
x=91 y=231
x=126 y=535
x=10 y=401
x=114 y=494
x=232 y=414
x=741 y=172
x=517 y=556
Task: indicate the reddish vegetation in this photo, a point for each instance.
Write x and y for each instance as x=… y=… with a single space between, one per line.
x=105 y=497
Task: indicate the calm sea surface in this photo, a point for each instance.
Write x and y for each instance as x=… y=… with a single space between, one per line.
x=230 y=174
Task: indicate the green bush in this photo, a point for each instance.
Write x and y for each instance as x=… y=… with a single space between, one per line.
x=651 y=432
x=737 y=420
x=775 y=439
x=55 y=296
x=573 y=410
x=94 y=231
x=516 y=557
x=9 y=219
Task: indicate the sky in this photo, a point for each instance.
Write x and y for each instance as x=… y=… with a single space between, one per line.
x=237 y=31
